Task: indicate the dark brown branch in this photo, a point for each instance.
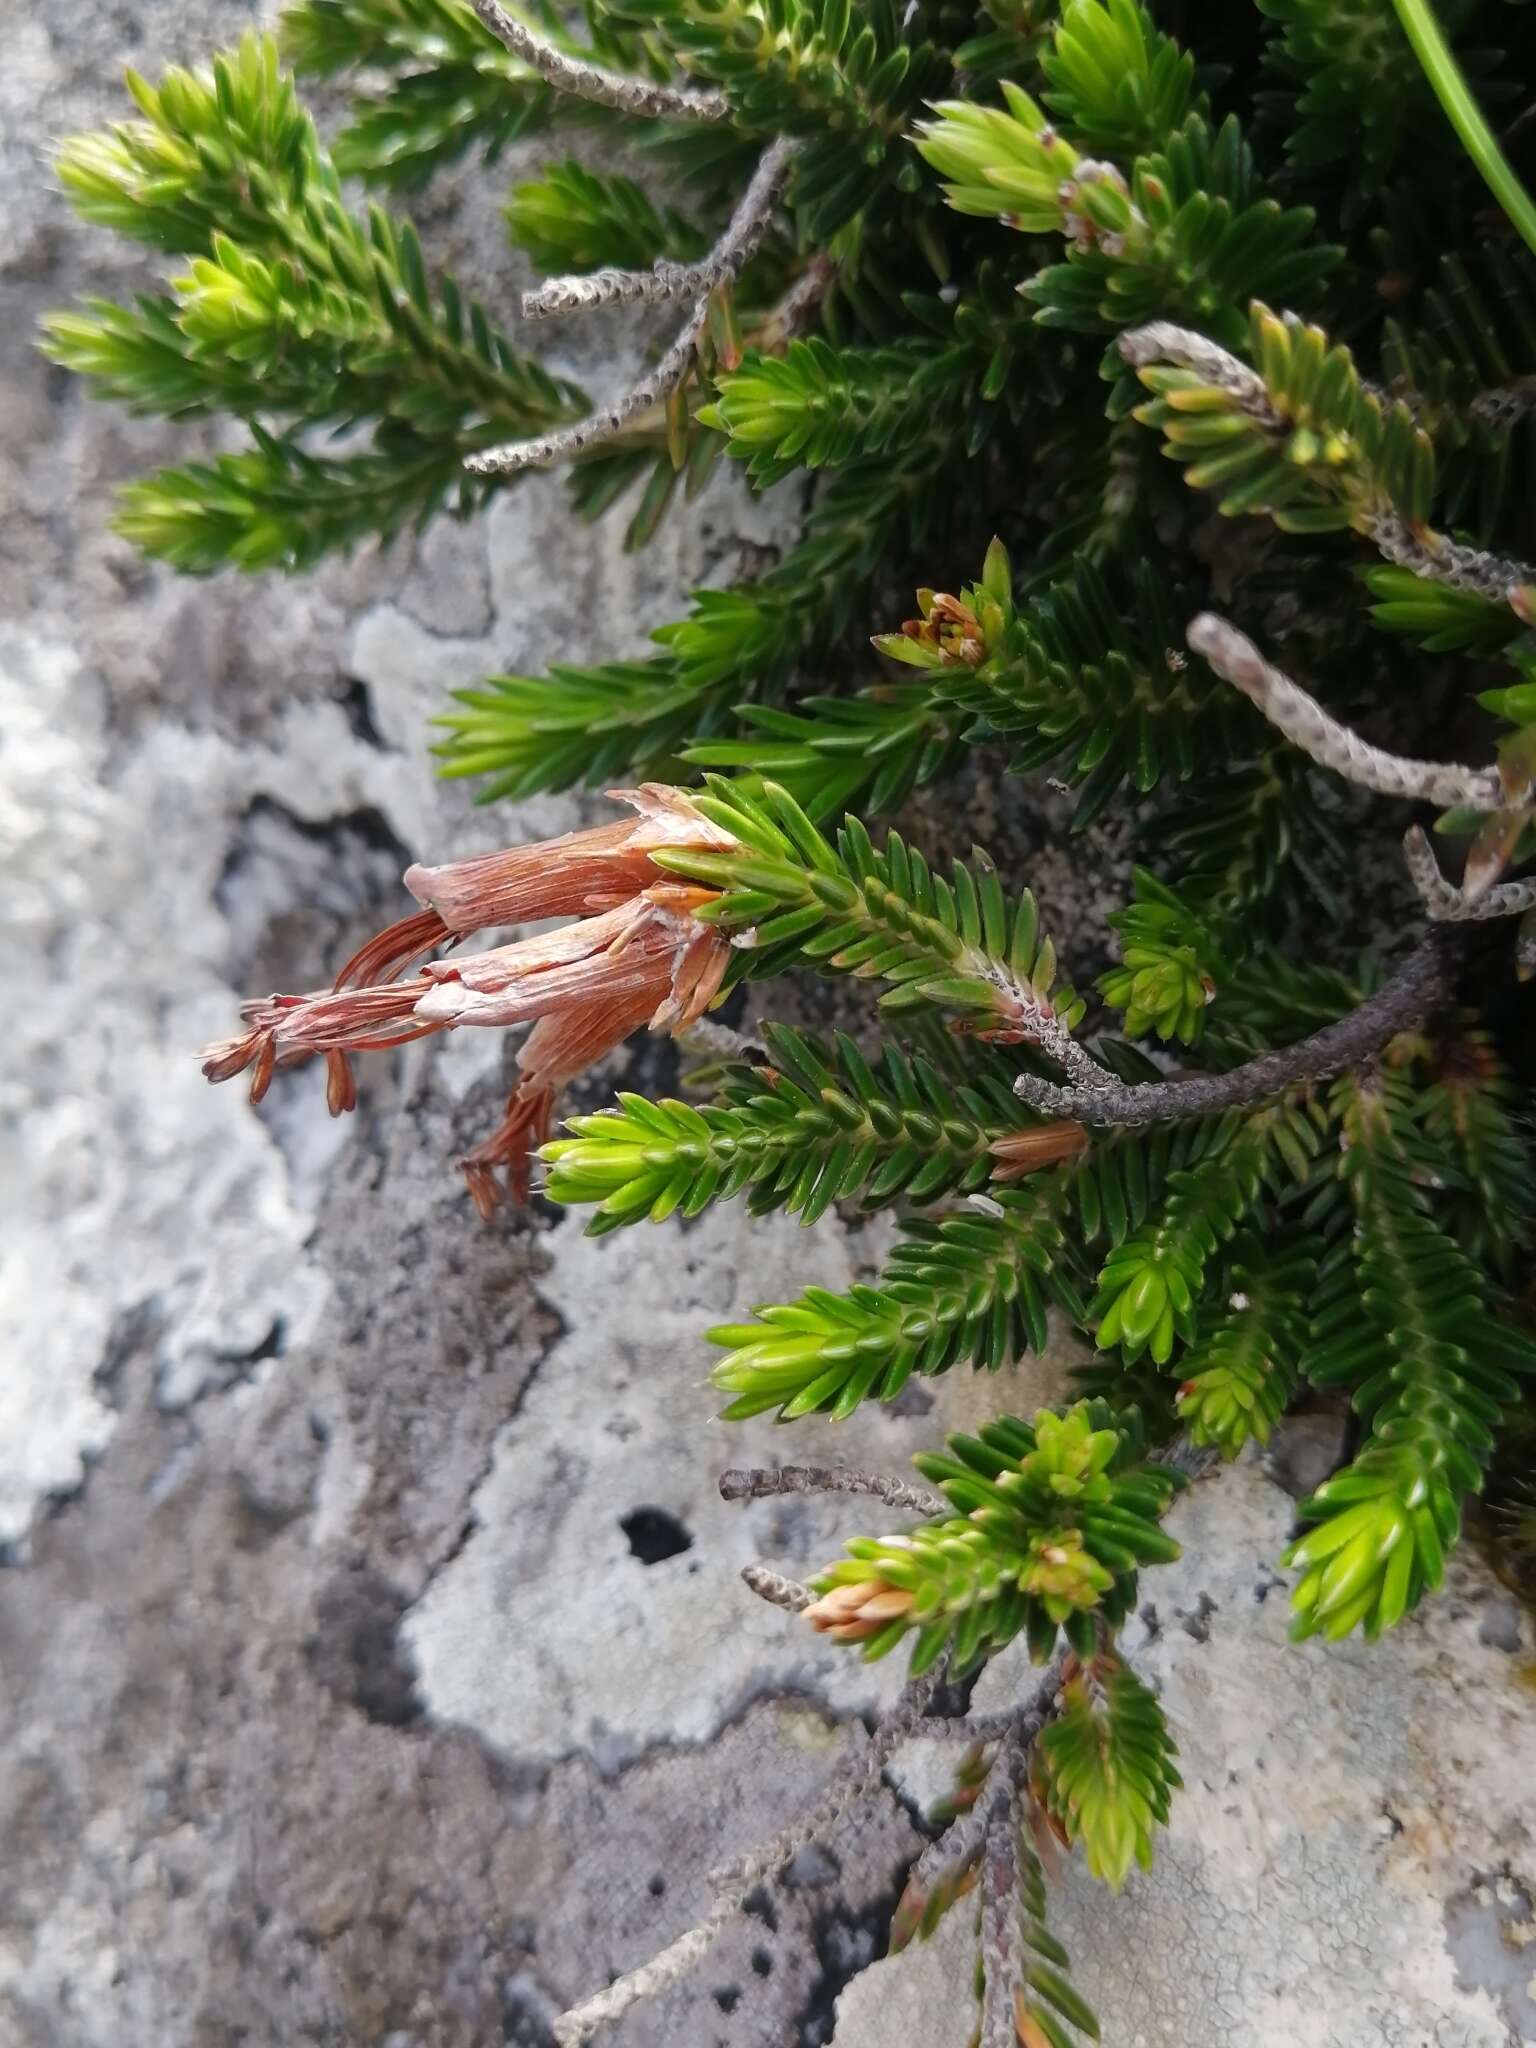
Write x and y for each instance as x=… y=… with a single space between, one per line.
x=1419 y=986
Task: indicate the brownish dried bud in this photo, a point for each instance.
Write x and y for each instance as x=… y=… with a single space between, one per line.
x=950 y=628
x=851 y=1613
x=1025 y=1152
x=638 y=957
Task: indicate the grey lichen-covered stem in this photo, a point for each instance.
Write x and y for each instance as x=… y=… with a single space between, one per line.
x=1419 y=986
x=1440 y=559
x=1054 y=1038
x=785 y=321
x=1161 y=341
x=949 y=1856
x=583 y=81
x=667 y=280
x=1002 y=1940
x=605 y=424
x=1426 y=553
x=1447 y=904
x=1291 y=710
x=649 y=1981
x=895 y=1492
x=778 y=1591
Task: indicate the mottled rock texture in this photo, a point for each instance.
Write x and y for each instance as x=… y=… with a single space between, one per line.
x=372 y=1664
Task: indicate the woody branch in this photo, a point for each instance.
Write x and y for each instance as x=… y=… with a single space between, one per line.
x=583 y=81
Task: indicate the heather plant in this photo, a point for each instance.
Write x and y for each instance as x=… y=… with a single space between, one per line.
x=1224 y=321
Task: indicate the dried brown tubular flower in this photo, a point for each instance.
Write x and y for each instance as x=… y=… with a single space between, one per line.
x=635 y=956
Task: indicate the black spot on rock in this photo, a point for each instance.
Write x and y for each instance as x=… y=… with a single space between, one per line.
x=812 y=1868
x=298 y=893
x=1198 y=1624
x=356 y=1652
x=1500 y=1628
x=133 y=1332
x=654 y=1534
x=759 y=1903
x=846 y=1943
x=357 y=702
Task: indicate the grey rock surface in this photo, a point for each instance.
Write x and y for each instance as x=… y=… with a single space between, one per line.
x=373 y=1668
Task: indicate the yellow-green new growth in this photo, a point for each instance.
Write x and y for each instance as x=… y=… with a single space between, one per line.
x=1001 y=164
x=1104 y=1767
x=1053 y=1519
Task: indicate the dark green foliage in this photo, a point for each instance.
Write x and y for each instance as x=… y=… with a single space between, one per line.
x=1472 y=1114
x=1352 y=92
x=1106 y=1768
x=1011 y=37
x=1404 y=1320
x=573 y=219
x=934 y=333
x=1170 y=965
x=451 y=86
x=817 y=407
x=1179 y=233
x=1209 y=244
x=821 y=1124
x=291 y=308
x=280 y=507
x=956 y=944
x=1085 y=677
x=1441 y=619
x=1273 y=998
x=529 y=733
x=1115 y=1184
x=1245 y=1362
x=1252 y=846
x=837 y=753
x=1152 y=1282
x=1053 y=1519
x=1460 y=348
x=1326 y=453
x=972 y=1286
x=1114 y=81
x=846 y=78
